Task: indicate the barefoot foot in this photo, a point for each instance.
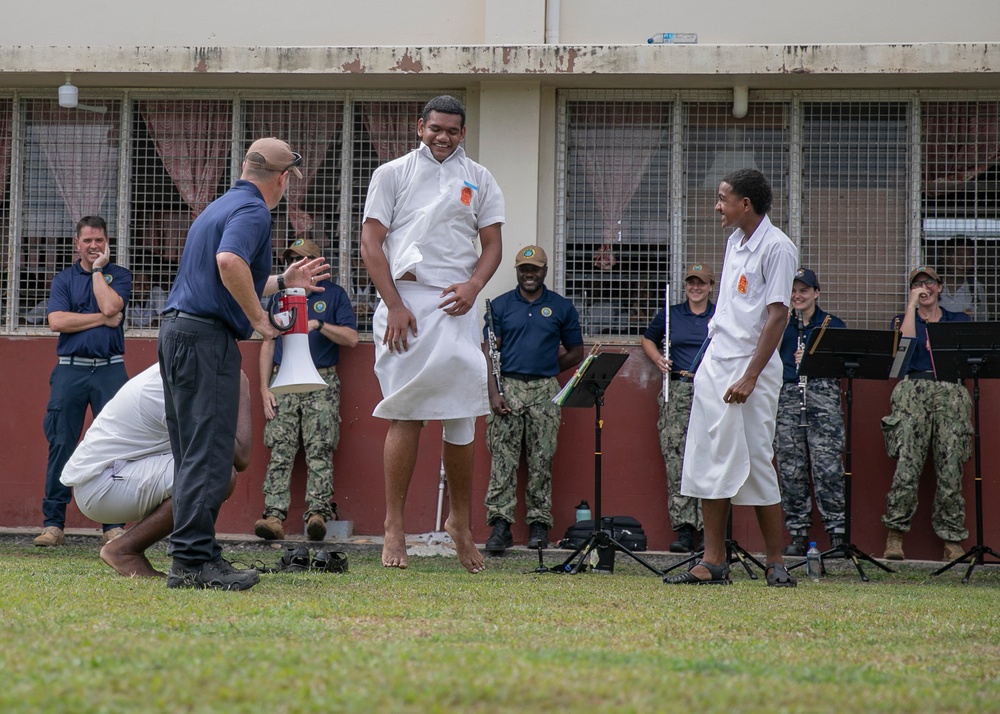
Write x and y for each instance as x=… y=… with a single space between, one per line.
x=468 y=554
x=394 y=551
x=131 y=565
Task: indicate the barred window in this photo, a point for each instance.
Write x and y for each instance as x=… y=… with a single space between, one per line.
x=68 y=170
x=382 y=131
x=181 y=161
x=640 y=172
x=960 y=195
x=869 y=184
x=854 y=207
x=8 y=309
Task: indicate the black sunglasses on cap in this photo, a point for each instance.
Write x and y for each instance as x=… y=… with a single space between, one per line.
x=296 y=162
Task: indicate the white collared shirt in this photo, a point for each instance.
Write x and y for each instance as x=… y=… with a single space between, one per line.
x=433 y=211
x=131 y=426
x=755 y=274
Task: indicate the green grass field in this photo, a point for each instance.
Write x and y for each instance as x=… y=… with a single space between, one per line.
x=77 y=638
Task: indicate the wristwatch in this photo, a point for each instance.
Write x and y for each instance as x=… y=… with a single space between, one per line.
x=97 y=269
x=281 y=281
x=319 y=324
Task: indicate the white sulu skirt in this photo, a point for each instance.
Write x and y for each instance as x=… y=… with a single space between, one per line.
x=443 y=373
x=730 y=447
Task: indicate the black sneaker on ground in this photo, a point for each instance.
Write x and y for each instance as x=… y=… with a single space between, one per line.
x=798 y=546
x=500 y=539
x=538 y=536
x=685 y=540
x=213 y=575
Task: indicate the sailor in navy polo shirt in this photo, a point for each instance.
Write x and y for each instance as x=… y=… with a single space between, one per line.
x=927 y=413
x=815 y=447
x=530 y=322
x=313 y=416
x=86 y=307
x=215 y=301
x=688 y=331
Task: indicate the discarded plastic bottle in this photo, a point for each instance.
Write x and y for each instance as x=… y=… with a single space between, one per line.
x=583 y=512
x=814 y=562
x=673 y=38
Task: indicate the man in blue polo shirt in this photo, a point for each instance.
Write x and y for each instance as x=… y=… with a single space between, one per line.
x=688 y=331
x=215 y=301
x=86 y=307
x=315 y=416
x=530 y=322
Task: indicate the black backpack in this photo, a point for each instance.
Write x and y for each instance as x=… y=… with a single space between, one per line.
x=624 y=529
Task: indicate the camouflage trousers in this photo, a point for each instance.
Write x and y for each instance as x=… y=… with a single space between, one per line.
x=534 y=422
x=672 y=426
x=818 y=448
x=928 y=414
x=315 y=417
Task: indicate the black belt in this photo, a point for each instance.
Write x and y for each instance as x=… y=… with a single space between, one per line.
x=675 y=377
x=523 y=377
x=197 y=318
x=91 y=361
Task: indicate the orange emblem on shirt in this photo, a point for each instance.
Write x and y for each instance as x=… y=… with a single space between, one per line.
x=467 y=195
x=741 y=286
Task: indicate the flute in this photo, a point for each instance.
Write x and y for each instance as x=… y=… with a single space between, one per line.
x=666 y=341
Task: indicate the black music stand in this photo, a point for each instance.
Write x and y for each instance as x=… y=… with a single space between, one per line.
x=963 y=350
x=855 y=354
x=587 y=392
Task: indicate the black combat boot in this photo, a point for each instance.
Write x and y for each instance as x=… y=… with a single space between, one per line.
x=500 y=539
x=685 y=540
x=538 y=536
x=798 y=545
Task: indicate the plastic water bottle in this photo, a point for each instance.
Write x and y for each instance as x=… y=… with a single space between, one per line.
x=814 y=562
x=583 y=512
x=673 y=38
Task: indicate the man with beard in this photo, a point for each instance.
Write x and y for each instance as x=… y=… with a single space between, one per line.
x=530 y=322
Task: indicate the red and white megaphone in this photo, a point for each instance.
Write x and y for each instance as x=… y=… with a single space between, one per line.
x=297 y=372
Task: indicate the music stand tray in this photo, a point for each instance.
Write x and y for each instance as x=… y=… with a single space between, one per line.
x=854 y=354
x=968 y=350
x=586 y=390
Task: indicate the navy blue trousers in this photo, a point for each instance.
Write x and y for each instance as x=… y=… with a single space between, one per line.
x=200 y=366
x=72 y=389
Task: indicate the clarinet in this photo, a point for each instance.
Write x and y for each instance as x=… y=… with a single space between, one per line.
x=491 y=336
x=800 y=346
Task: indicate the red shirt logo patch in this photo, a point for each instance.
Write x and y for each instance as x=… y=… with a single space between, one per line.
x=466 y=195
x=741 y=286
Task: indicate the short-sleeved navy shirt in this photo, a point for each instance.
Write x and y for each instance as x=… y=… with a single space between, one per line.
x=530 y=332
x=237 y=222
x=333 y=307
x=688 y=331
x=73 y=291
x=920 y=361
x=790 y=339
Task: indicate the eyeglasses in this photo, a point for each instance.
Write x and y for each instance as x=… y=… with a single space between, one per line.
x=922 y=284
x=296 y=162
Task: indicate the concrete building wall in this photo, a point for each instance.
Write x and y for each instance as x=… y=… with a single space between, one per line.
x=329 y=23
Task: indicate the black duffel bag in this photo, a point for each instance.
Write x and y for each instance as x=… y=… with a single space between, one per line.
x=624 y=529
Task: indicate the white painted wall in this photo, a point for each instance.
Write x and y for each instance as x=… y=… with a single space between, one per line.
x=347 y=23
